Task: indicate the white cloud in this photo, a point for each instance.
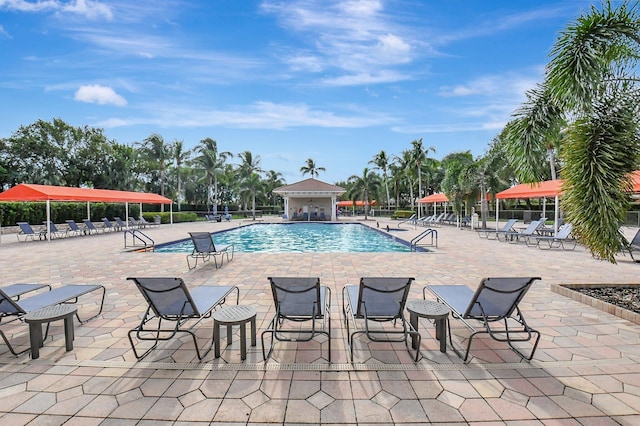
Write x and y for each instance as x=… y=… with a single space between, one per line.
x=101 y=95
x=88 y=8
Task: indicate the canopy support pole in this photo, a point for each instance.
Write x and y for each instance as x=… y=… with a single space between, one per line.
x=48 y=227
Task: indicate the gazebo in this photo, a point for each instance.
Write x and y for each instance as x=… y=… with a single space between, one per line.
x=309 y=198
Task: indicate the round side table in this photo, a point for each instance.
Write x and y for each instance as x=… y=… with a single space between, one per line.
x=432 y=310
x=230 y=316
x=35 y=320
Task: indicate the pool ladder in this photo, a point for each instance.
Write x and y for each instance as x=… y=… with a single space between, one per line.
x=433 y=233
x=137 y=236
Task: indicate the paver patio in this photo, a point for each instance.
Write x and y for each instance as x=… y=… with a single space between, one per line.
x=586 y=370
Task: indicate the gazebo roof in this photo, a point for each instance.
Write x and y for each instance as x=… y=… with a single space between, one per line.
x=310 y=186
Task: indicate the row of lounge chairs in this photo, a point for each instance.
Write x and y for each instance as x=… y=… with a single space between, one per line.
x=534 y=235
x=439 y=219
x=27 y=232
x=174 y=309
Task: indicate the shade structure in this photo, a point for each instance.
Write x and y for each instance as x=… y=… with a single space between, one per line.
x=549 y=188
x=48 y=193
x=33 y=192
x=434 y=198
x=358 y=203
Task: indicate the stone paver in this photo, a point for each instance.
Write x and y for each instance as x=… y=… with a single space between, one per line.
x=586 y=370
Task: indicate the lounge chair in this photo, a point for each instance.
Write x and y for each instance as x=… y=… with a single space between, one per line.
x=20 y=307
x=378 y=300
x=91 y=228
x=107 y=225
x=169 y=299
x=15 y=291
x=134 y=223
x=74 y=229
x=523 y=235
x=488 y=233
x=495 y=301
x=634 y=246
x=204 y=248
x=557 y=241
x=54 y=232
x=120 y=225
x=298 y=300
x=27 y=232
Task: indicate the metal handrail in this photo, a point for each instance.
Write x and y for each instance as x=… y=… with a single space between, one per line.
x=427 y=232
x=136 y=234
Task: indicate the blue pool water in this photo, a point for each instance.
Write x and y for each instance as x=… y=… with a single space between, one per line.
x=299 y=238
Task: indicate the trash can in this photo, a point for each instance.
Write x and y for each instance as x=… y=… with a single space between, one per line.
x=526 y=216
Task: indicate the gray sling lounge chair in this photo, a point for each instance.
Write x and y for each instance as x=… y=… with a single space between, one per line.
x=495 y=301
x=298 y=300
x=524 y=235
x=27 y=232
x=492 y=234
x=634 y=246
x=169 y=300
x=378 y=300
x=204 y=248
x=16 y=309
x=107 y=225
x=556 y=241
x=91 y=228
x=74 y=229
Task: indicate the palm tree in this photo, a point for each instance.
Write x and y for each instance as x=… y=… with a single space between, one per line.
x=250 y=186
x=311 y=168
x=590 y=83
x=249 y=167
x=211 y=161
x=406 y=172
x=363 y=187
x=419 y=155
x=274 y=180
x=158 y=155
x=457 y=184
x=180 y=157
x=381 y=161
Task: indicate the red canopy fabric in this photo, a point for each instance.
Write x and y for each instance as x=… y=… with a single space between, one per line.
x=33 y=192
x=549 y=188
x=359 y=203
x=434 y=198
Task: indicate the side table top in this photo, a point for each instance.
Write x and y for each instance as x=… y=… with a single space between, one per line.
x=51 y=313
x=234 y=313
x=427 y=308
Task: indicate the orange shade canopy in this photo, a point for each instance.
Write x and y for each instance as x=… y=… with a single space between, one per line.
x=434 y=198
x=549 y=188
x=33 y=192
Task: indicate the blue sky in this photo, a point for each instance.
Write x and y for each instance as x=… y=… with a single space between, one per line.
x=335 y=81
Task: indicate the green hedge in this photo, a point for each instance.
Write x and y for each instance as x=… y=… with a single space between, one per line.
x=165 y=217
x=402 y=214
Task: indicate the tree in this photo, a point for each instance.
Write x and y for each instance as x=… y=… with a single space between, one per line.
x=591 y=85
x=419 y=155
x=362 y=187
x=406 y=172
x=158 y=155
x=456 y=183
x=251 y=185
x=311 y=168
x=211 y=162
x=249 y=167
x=274 y=180
x=180 y=156
x=381 y=161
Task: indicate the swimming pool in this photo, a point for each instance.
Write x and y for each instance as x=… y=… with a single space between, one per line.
x=300 y=238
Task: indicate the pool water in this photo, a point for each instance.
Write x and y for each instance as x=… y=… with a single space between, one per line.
x=299 y=238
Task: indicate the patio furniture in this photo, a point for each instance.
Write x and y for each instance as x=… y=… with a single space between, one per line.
x=170 y=301
x=557 y=241
x=17 y=309
x=488 y=233
x=494 y=302
x=298 y=300
x=27 y=232
x=54 y=232
x=204 y=248
x=434 y=311
x=91 y=228
x=525 y=234
x=107 y=225
x=378 y=300
x=73 y=228
x=230 y=316
x=47 y=315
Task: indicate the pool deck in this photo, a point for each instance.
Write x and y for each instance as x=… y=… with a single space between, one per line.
x=586 y=370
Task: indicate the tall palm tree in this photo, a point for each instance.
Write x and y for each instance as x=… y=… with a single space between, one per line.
x=591 y=84
x=419 y=155
x=381 y=161
x=406 y=172
x=249 y=166
x=251 y=185
x=274 y=180
x=180 y=156
x=211 y=161
x=363 y=187
x=311 y=168
x=158 y=156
